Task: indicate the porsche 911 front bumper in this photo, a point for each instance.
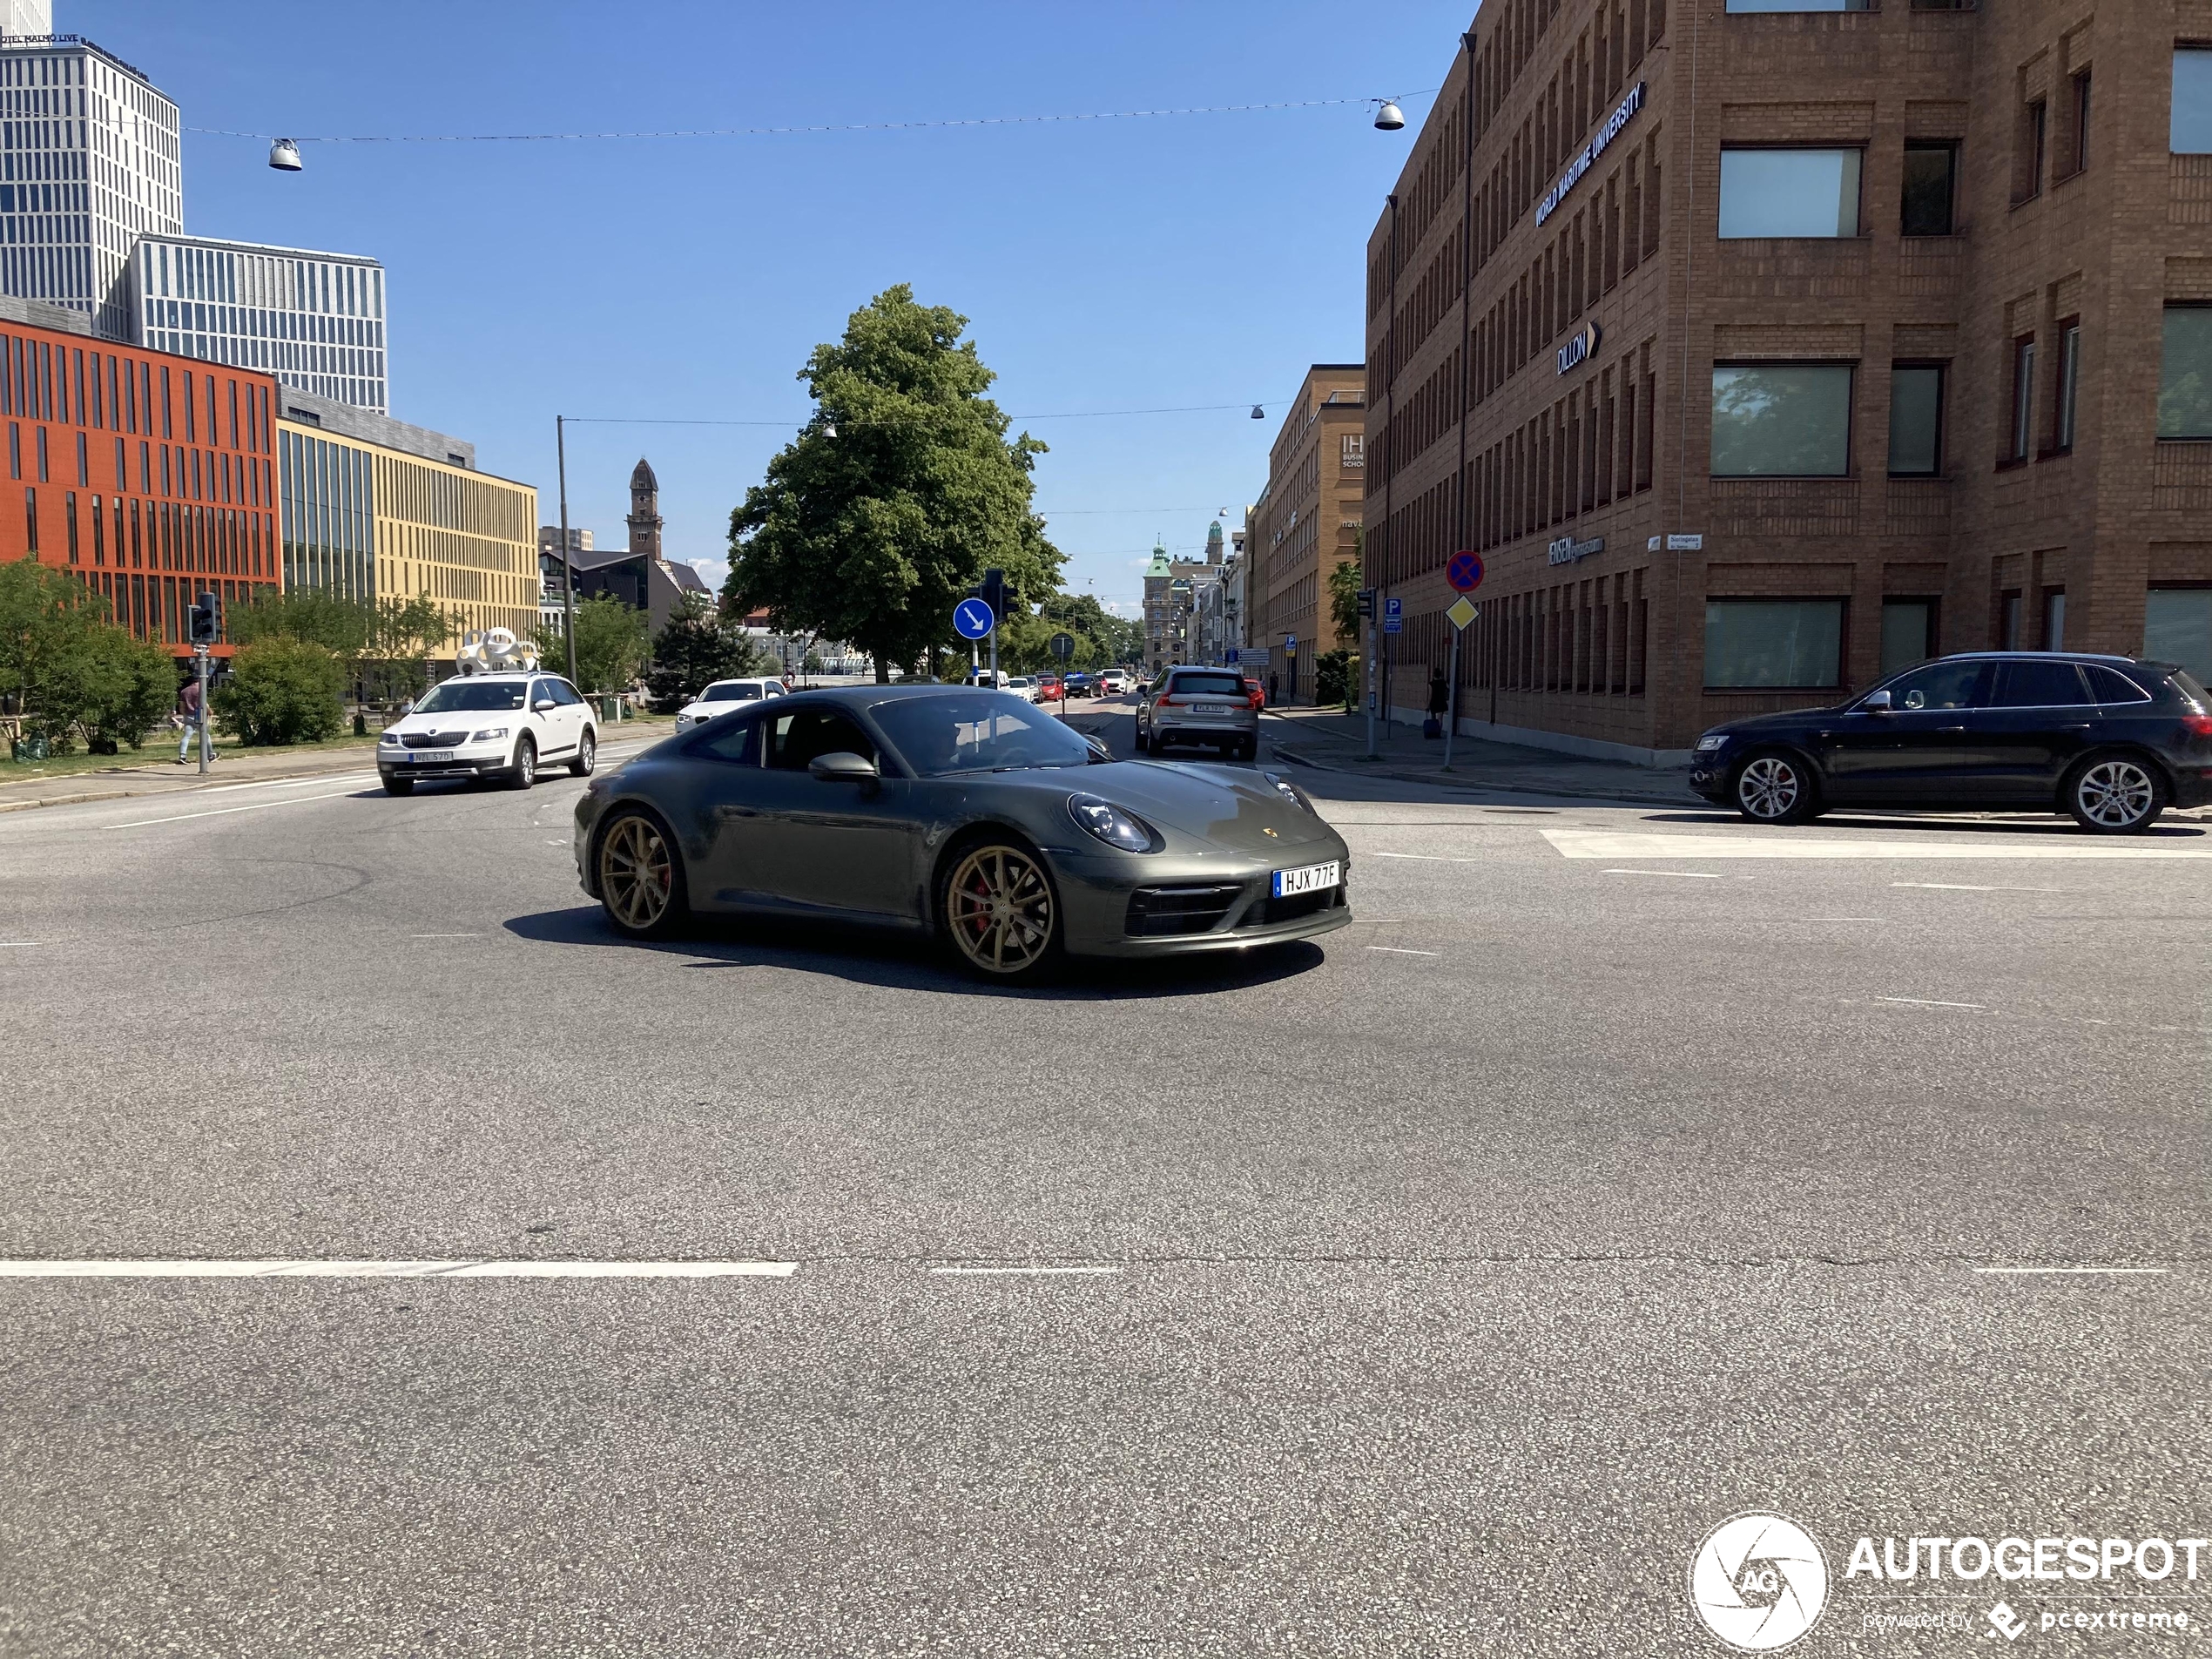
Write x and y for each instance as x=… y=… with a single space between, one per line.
x=1128 y=906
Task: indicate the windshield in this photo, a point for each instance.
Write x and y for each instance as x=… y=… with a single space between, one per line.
x=977 y=732
x=730 y=691
x=472 y=696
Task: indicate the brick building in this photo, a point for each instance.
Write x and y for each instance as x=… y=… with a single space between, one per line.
x=148 y=477
x=1762 y=351
x=1306 y=522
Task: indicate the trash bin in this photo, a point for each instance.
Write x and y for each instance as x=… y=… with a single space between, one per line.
x=28 y=749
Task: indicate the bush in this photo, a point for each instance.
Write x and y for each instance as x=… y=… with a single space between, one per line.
x=698 y=645
x=282 y=690
x=70 y=670
x=1336 y=677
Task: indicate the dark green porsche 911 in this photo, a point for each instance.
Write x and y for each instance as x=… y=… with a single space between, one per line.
x=968 y=813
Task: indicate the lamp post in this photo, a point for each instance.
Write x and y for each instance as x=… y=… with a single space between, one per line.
x=568 y=575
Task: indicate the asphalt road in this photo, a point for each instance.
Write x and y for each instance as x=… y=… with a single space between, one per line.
x=1610 y=1176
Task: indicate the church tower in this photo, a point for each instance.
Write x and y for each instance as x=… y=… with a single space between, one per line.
x=644 y=511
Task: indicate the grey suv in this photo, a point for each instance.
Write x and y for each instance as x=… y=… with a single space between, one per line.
x=1208 y=705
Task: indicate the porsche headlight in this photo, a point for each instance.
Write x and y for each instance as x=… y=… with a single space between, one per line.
x=1111 y=825
x=488 y=734
x=1291 y=792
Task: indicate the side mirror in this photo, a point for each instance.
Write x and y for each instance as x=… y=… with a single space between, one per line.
x=1876 y=702
x=544 y=704
x=843 y=768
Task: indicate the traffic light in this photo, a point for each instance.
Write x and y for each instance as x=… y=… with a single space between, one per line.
x=206 y=620
x=1366 y=602
x=993 y=593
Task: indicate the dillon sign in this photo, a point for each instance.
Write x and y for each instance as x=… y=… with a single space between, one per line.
x=1581 y=164
x=1577 y=351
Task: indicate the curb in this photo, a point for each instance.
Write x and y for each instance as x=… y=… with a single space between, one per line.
x=1476 y=780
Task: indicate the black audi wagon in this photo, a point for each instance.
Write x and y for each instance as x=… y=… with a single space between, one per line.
x=2111 y=740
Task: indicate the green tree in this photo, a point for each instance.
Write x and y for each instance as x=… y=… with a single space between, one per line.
x=1343 y=595
x=698 y=645
x=380 y=643
x=889 y=505
x=611 y=640
x=282 y=690
x=401 y=634
x=70 y=670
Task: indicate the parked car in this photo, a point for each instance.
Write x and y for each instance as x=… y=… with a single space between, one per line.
x=964 y=812
x=1113 y=683
x=2109 y=739
x=724 y=695
x=1208 y=705
x=984 y=677
x=1258 y=698
x=1049 y=689
x=502 y=725
x=1022 y=686
x=1076 y=685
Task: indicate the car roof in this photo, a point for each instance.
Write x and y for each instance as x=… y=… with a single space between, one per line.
x=2041 y=656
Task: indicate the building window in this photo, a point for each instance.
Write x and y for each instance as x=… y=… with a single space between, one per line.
x=2066 y=388
x=42 y=456
x=15 y=449
x=2185 y=373
x=69 y=523
x=2009 y=624
x=1929 y=171
x=30 y=519
x=1788 y=192
x=2077 y=158
x=1908 y=633
x=1801 y=5
x=2189 y=126
x=2177 y=628
x=1782 y=420
x=2028 y=179
x=1916 y=420
x=1773 y=643
x=2054 y=619
x=2023 y=397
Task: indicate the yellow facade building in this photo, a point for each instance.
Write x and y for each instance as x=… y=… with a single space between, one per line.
x=374 y=509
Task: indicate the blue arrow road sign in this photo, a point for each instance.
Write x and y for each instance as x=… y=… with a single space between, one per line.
x=973 y=618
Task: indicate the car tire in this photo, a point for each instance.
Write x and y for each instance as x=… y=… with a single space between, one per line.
x=398 y=785
x=523 y=772
x=639 y=873
x=1773 y=786
x=998 y=911
x=1143 y=742
x=587 y=755
x=2113 y=792
x=1249 y=749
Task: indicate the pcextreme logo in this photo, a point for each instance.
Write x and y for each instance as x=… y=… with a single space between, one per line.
x=1759 y=1583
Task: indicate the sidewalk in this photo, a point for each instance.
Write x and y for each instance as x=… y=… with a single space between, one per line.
x=1335 y=741
x=154 y=771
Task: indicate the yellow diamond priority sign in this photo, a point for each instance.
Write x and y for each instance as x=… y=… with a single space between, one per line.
x=1462 y=612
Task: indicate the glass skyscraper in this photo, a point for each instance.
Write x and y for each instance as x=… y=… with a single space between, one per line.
x=89 y=161
x=314 y=321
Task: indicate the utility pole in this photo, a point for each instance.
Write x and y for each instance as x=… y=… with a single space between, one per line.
x=568 y=575
x=200 y=654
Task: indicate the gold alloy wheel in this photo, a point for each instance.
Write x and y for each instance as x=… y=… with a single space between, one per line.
x=998 y=906
x=635 y=872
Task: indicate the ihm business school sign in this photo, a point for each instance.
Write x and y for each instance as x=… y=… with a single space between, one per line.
x=1622 y=113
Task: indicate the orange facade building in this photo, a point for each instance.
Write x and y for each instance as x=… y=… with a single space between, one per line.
x=149 y=477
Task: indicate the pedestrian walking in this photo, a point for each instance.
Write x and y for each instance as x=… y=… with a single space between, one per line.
x=1273 y=695
x=194 y=721
x=1439 y=704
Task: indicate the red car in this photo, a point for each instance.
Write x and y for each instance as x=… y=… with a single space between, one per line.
x=1258 y=698
x=1049 y=688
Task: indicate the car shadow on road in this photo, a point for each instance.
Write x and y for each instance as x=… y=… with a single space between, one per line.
x=899 y=961
x=2025 y=824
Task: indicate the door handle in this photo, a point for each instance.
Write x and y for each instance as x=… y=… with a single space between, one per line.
x=2073 y=726
x=1948 y=729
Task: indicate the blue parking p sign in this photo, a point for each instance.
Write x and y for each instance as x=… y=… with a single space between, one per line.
x=1393 y=615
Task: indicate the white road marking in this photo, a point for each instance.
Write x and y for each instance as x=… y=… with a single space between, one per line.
x=1685 y=875
x=2073 y=1270
x=1968 y=886
x=312 y=1268
x=445 y=935
x=225 y=811
x=1396 y=950
x=284 y=783
x=1846 y=919
x=1427 y=858
x=1609 y=844
x=1929 y=1003
x=20 y=944
x=1024 y=1269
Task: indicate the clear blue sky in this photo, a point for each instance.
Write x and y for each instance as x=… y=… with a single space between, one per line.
x=1198 y=260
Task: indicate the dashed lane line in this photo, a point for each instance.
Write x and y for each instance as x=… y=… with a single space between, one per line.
x=1610 y=844
x=2113 y=1271
x=1679 y=875
x=225 y=811
x=1400 y=950
x=1929 y=1003
x=458 y=1268
x=1036 y=1272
